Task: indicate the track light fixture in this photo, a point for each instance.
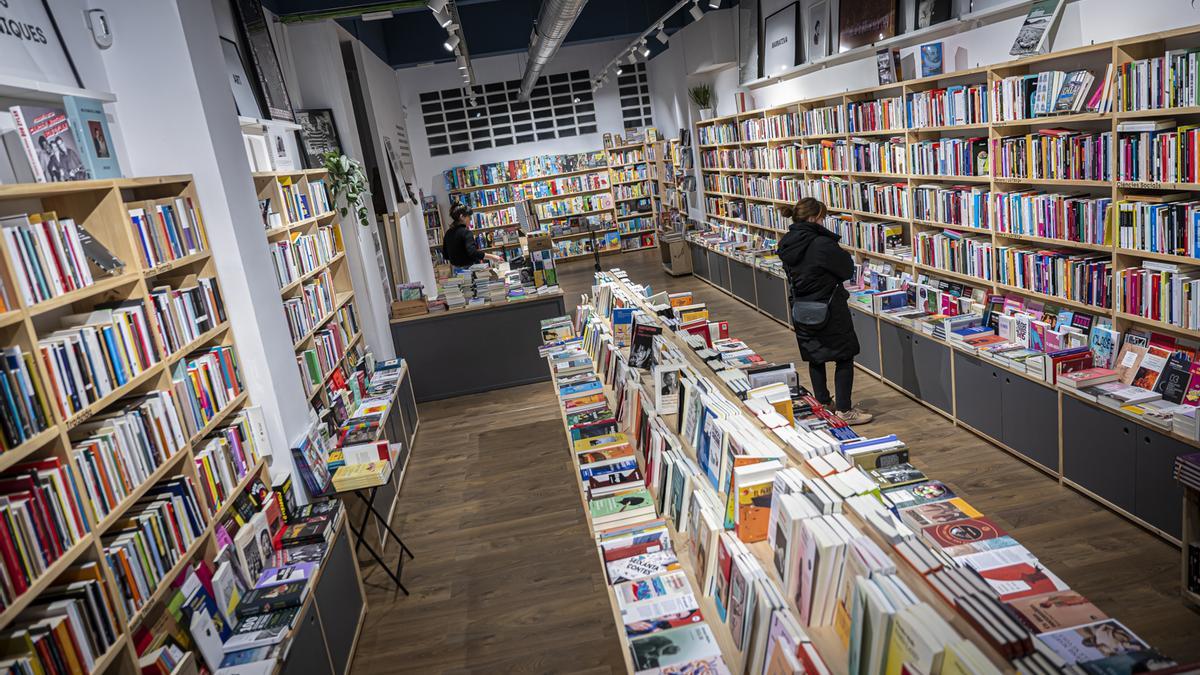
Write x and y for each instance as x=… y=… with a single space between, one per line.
x=696 y=12
x=462 y=62
x=438 y=5
x=714 y=4
x=620 y=70
x=661 y=35
x=631 y=58
x=444 y=19
x=645 y=50
x=377 y=16
x=450 y=43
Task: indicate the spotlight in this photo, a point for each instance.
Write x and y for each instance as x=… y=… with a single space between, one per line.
x=377 y=16
x=450 y=43
x=576 y=99
x=620 y=70
x=645 y=48
x=632 y=58
x=696 y=12
x=714 y=4
x=661 y=36
x=443 y=18
x=462 y=62
x=438 y=5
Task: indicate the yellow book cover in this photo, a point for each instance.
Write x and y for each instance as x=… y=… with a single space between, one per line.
x=842 y=623
x=600 y=442
x=754 y=511
x=693 y=315
x=901 y=650
x=785 y=408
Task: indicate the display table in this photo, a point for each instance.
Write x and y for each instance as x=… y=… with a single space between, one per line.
x=475 y=349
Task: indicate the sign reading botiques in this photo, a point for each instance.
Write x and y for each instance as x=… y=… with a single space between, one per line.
x=29 y=44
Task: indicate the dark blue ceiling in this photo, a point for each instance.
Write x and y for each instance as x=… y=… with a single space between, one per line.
x=412 y=36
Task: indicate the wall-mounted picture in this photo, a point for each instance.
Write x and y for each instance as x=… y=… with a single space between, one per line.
x=865 y=21
x=243 y=92
x=816 y=29
x=929 y=12
x=318 y=133
x=779 y=40
x=1034 y=35
x=256 y=35
x=42 y=59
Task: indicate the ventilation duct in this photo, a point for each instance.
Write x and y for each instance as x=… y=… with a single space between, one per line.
x=554 y=22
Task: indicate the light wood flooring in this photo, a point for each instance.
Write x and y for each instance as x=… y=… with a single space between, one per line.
x=506 y=578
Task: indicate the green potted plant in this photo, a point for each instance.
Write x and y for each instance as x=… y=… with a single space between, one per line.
x=349 y=184
x=702 y=96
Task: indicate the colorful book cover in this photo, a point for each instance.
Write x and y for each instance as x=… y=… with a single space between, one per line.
x=921 y=493
x=1021 y=580
x=622 y=325
x=1104 y=343
x=674 y=647
x=937 y=513
x=653 y=588
x=963 y=532
x=89 y=124
x=754 y=511
x=1092 y=641
x=641 y=566
x=1055 y=610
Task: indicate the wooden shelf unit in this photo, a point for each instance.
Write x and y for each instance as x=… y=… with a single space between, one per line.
x=101 y=207
x=652 y=165
x=269 y=185
x=1094 y=57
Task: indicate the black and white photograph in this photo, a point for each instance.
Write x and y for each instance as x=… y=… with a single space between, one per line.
x=318 y=134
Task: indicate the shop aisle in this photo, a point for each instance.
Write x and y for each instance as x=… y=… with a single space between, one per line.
x=506 y=578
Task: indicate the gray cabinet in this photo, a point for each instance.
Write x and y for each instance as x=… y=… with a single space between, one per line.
x=718 y=269
x=866 y=328
x=308 y=655
x=772 y=295
x=931 y=366
x=1157 y=496
x=1098 y=452
x=408 y=409
x=895 y=349
x=978 y=392
x=1030 y=419
x=699 y=261
x=741 y=281
x=340 y=601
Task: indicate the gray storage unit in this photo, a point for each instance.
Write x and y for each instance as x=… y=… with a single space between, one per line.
x=772 y=295
x=978 y=395
x=931 y=363
x=1157 y=495
x=408 y=409
x=1098 y=452
x=308 y=655
x=866 y=327
x=718 y=269
x=1030 y=419
x=699 y=261
x=340 y=602
x=741 y=281
x=895 y=349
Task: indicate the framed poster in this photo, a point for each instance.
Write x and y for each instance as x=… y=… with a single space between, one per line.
x=318 y=133
x=1033 y=37
x=929 y=12
x=865 y=21
x=779 y=40
x=243 y=93
x=31 y=46
x=816 y=29
x=257 y=37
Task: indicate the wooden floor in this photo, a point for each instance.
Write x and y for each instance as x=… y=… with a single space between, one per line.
x=506 y=578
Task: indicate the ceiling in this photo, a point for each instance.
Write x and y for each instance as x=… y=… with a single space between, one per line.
x=413 y=37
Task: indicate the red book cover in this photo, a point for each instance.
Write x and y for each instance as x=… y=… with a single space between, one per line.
x=963 y=532
x=1021 y=580
x=651 y=546
x=8 y=554
x=721 y=582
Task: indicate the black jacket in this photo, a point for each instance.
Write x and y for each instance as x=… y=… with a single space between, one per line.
x=816 y=267
x=458 y=246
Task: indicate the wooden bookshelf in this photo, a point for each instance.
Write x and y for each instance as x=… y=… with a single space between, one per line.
x=719 y=204
x=271 y=185
x=633 y=165
x=101 y=207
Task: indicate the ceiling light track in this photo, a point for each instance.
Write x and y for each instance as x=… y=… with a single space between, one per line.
x=640 y=46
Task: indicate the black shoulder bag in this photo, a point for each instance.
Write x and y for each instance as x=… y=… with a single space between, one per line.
x=807 y=314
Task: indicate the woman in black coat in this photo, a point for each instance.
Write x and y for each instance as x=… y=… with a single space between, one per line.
x=816 y=267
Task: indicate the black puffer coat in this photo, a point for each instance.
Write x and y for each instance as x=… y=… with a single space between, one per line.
x=816 y=267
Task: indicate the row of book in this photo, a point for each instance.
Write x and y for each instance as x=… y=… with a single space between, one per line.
x=627 y=156
x=960 y=205
x=42 y=516
x=878 y=237
x=635 y=241
x=570 y=248
x=297 y=201
x=302 y=253
x=778 y=188
x=629 y=174
x=1168 y=81
x=1080 y=277
x=1161 y=291
x=1054 y=154
x=226 y=456
x=878 y=156
x=1158 y=151
x=26 y=411
x=1149 y=224
x=205 y=383
x=168 y=229
x=463 y=177
x=884 y=114
x=1052 y=215
x=95 y=353
x=949 y=157
x=824 y=121
x=955 y=252
x=558 y=208
x=627 y=191
x=318 y=193
x=953 y=106
x=494 y=218
x=117 y=452
x=782 y=125
x=1051 y=92
x=885 y=199
x=183 y=315
x=48 y=256
x=68 y=628
x=565 y=185
x=721 y=132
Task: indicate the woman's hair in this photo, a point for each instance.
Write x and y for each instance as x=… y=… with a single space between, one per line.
x=807 y=208
x=459 y=210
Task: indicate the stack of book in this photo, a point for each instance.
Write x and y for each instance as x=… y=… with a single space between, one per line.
x=184 y=314
x=48 y=255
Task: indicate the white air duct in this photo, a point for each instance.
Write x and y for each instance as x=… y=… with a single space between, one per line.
x=554 y=22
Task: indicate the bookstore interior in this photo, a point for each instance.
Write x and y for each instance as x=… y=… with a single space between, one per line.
x=576 y=271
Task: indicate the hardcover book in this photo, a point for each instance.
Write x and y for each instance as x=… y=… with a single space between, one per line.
x=272 y=598
x=962 y=532
x=1054 y=610
x=1092 y=641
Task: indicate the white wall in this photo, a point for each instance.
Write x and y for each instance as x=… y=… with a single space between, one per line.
x=414 y=81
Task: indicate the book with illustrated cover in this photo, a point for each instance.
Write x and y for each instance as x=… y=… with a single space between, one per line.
x=89 y=124
x=273 y=576
x=674 y=646
x=937 y=513
x=49 y=144
x=649 y=589
x=307 y=531
x=1092 y=641
x=652 y=616
x=262 y=629
x=1055 y=610
x=919 y=493
x=273 y=598
x=962 y=532
x=1021 y=580
x=641 y=566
